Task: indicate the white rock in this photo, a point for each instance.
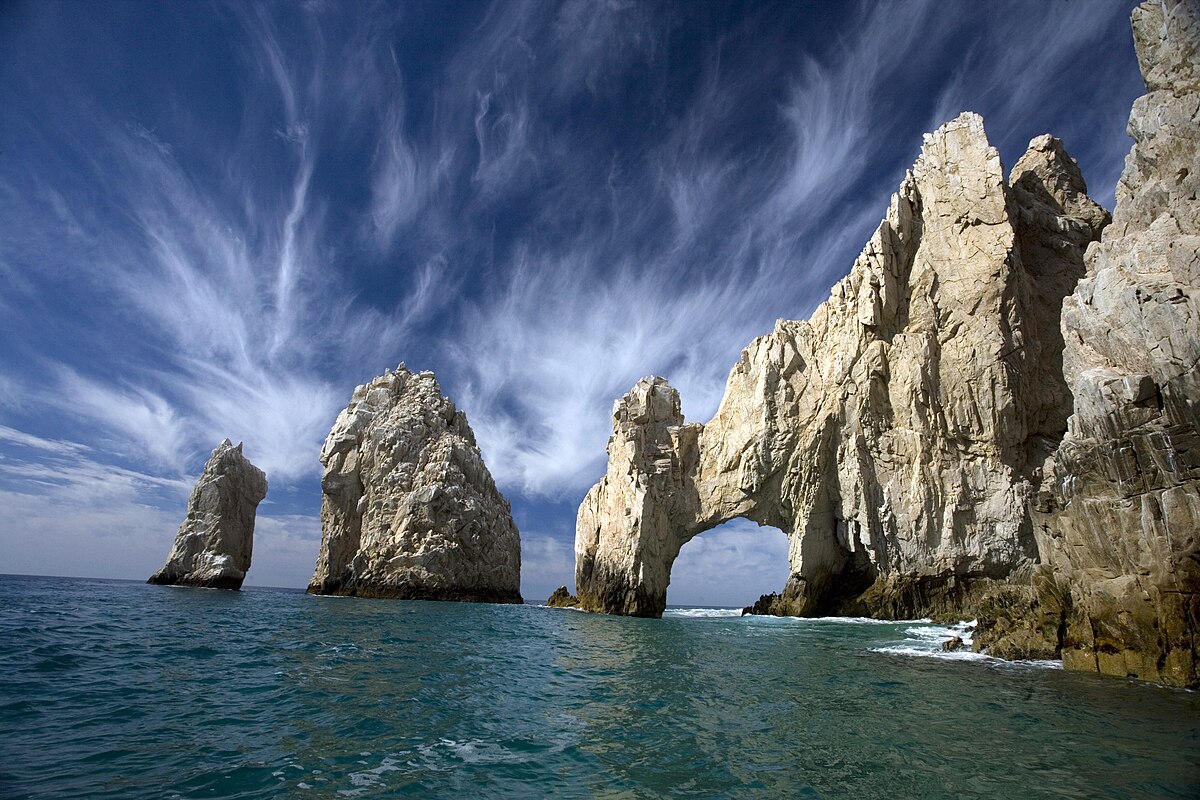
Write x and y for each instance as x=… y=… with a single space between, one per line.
x=409 y=509
x=215 y=541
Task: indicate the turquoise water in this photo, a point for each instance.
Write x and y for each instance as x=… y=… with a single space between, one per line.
x=122 y=690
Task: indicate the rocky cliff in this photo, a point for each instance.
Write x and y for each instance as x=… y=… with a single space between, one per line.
x=897 y=434
x=215 y=541
x=408 y=507
x=995 y=412
x=1118 y=517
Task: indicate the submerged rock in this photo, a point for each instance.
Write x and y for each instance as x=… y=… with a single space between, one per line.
x=409 y=510
x=561 y=598
x=214 y=544
x=896 y=435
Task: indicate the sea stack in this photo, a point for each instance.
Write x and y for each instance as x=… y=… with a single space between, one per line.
x=894 y=436
x=214 y=544
x=409 y=510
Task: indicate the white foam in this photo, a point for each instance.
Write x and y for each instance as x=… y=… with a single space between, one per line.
x=703 y=613
x=925 y=641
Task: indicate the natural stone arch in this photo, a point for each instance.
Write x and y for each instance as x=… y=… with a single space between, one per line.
x=896 y=436
x=730 y=565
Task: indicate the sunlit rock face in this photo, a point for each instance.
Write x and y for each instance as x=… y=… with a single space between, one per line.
x=897 y=435
x=409 y=510
x=997 y=412
x=213 y=546
x=1118 y=520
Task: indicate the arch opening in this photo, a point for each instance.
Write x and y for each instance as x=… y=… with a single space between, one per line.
x=729 y=566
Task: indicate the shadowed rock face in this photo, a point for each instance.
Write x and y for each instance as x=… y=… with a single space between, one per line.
x=897 y=434
x=409 y=510
x=1118 y=520
x=215 y=541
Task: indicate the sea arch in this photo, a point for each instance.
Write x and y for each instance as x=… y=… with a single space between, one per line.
x=669 y=481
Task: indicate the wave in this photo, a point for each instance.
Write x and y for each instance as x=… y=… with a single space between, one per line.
x=925 y=641
x=703 y=613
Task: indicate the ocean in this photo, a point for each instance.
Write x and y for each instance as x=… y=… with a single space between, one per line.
x=113 y=689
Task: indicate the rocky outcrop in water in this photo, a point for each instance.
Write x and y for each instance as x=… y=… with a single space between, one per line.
x=214 y=544
x=897 y=435
x=1118 y=516
x=995 y=413
x=561 y=598
x=409 y=510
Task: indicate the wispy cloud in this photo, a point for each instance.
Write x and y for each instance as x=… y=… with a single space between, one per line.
x=542 y=202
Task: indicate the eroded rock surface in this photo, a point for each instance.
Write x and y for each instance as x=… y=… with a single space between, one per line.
x=1118 y=520
x=995 y=413
x=897 y=434
x=409 y=509
x=214 y=544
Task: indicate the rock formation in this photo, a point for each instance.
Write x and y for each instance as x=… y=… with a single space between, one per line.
x=896 y=435
x=561 y=598
x=946 y=435
x=1118 y=517
x=409 y=509
x=215 y=541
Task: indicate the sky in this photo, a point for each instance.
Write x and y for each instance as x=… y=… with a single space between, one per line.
x=217 y=219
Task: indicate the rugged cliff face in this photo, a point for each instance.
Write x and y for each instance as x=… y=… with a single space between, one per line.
x=215 y=541
x=996 y=412
x=896 y=435
x=1118 y=520
x=409 y=509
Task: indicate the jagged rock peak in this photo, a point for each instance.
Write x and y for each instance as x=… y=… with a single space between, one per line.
x=213 y=546
x=1166 y=36
x=896 y=434
x=409 y=509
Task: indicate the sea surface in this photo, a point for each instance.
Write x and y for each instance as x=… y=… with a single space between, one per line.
x=113 y=689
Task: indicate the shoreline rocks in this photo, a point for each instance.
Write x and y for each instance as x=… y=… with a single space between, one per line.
x=409 y=510
x=216 y=539
x=1117 y=518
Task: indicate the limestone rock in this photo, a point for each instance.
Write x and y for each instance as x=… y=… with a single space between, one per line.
x=896 y=436
x=409 y=509
x=1118 y=519
x=561 y=598
x=214 y=544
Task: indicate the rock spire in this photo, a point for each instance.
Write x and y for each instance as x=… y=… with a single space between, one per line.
x=215 y=541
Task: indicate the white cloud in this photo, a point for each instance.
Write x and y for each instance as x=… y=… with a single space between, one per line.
x=547 y=562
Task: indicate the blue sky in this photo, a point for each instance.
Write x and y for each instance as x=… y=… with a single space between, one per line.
x=217 y=219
